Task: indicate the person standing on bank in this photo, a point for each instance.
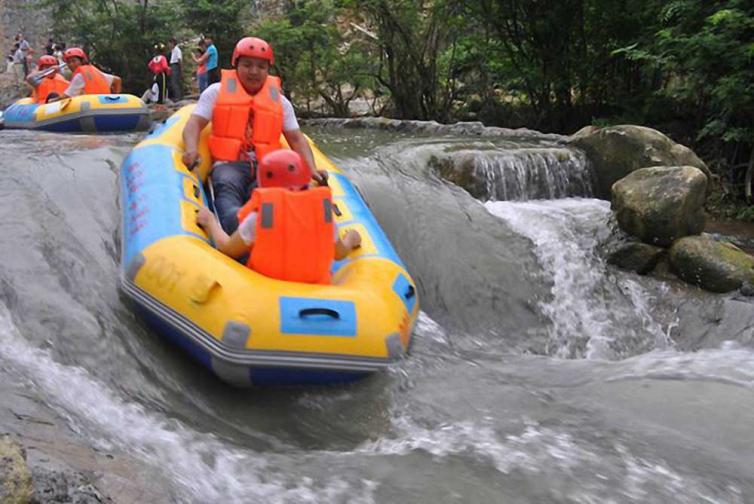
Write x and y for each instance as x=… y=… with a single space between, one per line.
x=213 y=71
x=201 y=66
x=247 y=121
x=160 y=69
x=176 y=68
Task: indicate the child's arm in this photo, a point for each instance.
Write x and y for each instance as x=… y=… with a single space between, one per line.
x=232 y=246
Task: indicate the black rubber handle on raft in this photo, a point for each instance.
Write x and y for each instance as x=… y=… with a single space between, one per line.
x=336 y=210
x=319 y=311
x=196 y=191
x=112 y=98
x=410 y=292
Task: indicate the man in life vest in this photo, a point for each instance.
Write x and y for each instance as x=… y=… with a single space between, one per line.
x=47 y=82
x=87 y=79
x=286 y=228
x=248 y=113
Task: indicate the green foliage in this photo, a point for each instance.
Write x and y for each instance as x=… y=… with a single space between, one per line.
x=119 y=36
x=683 y=66
x=314 y=58
x=220 y=20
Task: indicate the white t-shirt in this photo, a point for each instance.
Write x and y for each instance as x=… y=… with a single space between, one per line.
x=76 y=87
x=247 y=229
x=176 y=56
x=208 y=99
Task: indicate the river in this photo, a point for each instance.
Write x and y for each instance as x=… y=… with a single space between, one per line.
x=537 y=372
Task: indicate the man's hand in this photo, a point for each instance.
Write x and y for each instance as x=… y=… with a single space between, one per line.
x=191 y=159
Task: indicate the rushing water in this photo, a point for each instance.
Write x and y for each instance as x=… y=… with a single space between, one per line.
x=537 y=373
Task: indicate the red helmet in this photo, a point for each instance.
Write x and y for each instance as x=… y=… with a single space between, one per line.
x=47 y=61
x=75 y=52
x=254 y=48
x=283 y=168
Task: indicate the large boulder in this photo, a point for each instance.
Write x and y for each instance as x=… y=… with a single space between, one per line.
x=616 y=151
x=15 y=477
x=661 y=204
x=715 y=266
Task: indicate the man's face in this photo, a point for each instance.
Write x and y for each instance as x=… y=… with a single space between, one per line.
x=252 y=72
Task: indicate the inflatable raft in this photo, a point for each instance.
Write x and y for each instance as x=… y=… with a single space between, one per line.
x=86 y=113
x=247 y=328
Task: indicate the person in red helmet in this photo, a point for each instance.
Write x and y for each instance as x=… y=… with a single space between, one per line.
x=87 y=79
x=286 y=228
x=46 y=82
x=248 y=113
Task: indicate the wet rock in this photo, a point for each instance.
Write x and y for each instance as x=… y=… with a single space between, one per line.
x=710 y=322
x=661 y=204
x=58 y=486
x=159 y=112
x=15 y=477
x=637 y=257
x=516 y=174
x=747 y=289
x=617 y=151
x=714 y=266
x=431 y=127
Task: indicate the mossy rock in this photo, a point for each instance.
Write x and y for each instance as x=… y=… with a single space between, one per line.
x=15 y=477
x=662 y=204
x=616 y=151
x=715 y=266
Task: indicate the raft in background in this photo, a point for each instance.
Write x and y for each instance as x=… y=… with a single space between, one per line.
x=85 y=113
x=247 y=328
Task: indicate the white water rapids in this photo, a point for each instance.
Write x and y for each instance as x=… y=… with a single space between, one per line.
x=538 y=373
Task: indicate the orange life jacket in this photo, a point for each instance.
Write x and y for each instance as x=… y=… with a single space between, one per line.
x=56 y=84
x=230 y=118
x=94 y=80
x=295 y=237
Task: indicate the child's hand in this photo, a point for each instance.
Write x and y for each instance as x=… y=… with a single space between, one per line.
x=352 y=239
x=204 y=218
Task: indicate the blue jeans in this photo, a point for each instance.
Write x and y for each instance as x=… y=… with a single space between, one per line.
x=232 y=184
x=202 y=78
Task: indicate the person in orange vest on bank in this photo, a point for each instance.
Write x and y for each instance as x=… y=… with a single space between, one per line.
x=248 y=113
x=87 y=79
x=47 y=81
x=286 y=228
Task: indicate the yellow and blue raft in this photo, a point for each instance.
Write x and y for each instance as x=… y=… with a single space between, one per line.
x=85 y=113
x=247 y=328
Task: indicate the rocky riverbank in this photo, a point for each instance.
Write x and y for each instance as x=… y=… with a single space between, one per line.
x=42 y=460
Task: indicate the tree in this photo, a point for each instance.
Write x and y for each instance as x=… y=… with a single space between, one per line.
x=119 y=36
x=220 y=20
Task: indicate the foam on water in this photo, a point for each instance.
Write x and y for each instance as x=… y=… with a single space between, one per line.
x=730 y=364
x=206 y=469
x=577 y=468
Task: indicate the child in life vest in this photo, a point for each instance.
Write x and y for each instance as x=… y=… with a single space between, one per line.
x=46 y=82
x=286 y=227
